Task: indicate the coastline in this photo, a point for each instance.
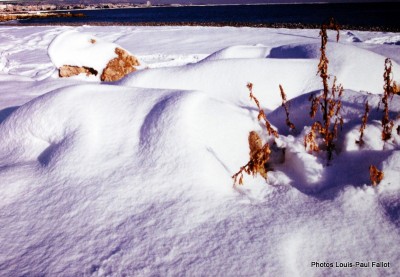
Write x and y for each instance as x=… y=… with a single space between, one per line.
x=6 y=17
x=211 y=24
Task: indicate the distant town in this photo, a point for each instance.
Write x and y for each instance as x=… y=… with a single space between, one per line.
x=21 y=7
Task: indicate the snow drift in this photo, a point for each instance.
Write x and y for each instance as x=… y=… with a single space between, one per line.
x=225 y=78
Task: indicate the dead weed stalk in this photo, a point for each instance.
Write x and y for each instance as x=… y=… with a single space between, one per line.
x=259 y=152
x=360 y=141
x=376 y=176
x=261 y=114
x=259 y=156
x=389 y=91
x=329 y=101
x=285 y=106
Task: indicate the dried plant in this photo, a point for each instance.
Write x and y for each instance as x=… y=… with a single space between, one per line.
x=323 y=63
x=261 y=114
x=396 y=88
x=259 y=156
x=259 y=152
x=388 y=88
x=310 y=140
x=329 y=101
x=360 y=141
x=314 y=105
x=376 y=175
x=286 y=107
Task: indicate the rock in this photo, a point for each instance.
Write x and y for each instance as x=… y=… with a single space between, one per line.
x=70 y=70
x=120 y=66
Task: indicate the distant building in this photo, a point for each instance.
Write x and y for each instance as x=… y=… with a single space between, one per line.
x=148 y=4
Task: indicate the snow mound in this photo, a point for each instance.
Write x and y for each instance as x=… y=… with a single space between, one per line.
x=226 y=79
x=81 y=49
x=296 y=51
x=352 y=37
x=56 y=126
x=309 y=172
x=392 y=39
x=240 y=52
x=90 y=125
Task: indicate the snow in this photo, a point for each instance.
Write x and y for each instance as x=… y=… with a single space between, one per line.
x=133 y=178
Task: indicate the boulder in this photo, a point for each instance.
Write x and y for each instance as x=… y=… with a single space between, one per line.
x=75 y=53
x=120 y=66
x=70 y=70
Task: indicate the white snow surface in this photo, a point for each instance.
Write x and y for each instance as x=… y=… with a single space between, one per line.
x=133 y=178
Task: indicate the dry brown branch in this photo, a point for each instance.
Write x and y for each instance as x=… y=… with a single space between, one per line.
x=259 y=152
x=261 y=114
x=329 y=102
x=360 y=141
x=259 y=156
x=323 y=63
x=310 y=142
x=314 y=105
x=376 y=175
x=286 y=107
x=396 y=87
x=388 y=88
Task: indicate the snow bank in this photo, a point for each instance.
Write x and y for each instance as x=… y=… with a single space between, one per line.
x=105 y=122
x=218 y=80
x=224 y=77
x=391 y=39
x=75 y=48
x=240 y=52
x=309 y=172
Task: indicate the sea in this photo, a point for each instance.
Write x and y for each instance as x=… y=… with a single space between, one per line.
x=367 y=15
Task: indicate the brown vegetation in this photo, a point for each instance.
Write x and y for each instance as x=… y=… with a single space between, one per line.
x=310 y=140
x=286 y=108
x=329 y=102
x=259 y=156
x=259 y=152
x=389 y=91
x=360 y=141
x=261 y=114
x=16 y=16
x=396 y=88
x=376 y=175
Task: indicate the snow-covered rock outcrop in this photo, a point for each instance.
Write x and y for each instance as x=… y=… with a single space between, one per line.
x=75 y=53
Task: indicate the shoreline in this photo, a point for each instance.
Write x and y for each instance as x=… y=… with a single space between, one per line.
x=211 y=24
x=7 y=17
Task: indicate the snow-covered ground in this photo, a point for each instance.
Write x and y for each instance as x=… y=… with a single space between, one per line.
x=134 y=178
